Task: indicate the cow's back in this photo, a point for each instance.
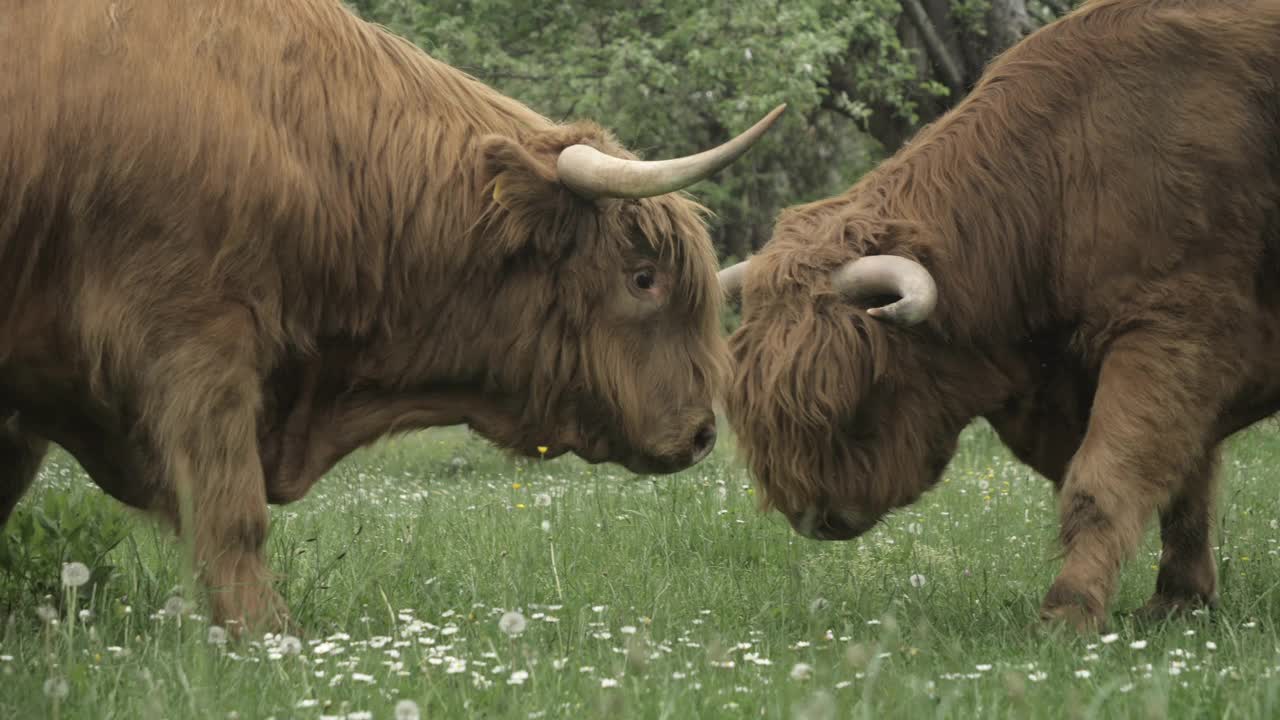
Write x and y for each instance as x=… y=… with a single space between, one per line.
x=126 y=128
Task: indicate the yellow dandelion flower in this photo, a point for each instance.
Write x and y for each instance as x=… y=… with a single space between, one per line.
x=516 y=485
x=542 y=449
x=520 y=506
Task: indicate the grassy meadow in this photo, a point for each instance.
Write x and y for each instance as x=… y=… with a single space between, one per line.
x=437 y=578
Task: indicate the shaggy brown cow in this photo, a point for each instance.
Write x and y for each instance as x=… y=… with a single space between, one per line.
x=1085 y=252
x=240 y=239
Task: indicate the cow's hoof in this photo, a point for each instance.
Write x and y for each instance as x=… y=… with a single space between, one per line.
x=1074 y=617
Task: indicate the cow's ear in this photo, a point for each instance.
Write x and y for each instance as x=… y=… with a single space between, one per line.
x=526 y=202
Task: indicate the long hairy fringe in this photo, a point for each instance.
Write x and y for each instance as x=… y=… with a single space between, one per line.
x=997 y=199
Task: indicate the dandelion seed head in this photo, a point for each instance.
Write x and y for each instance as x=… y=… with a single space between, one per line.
x=801 y=671
x=407 y=710
x=56 y=688
x=512 y=623
x=918 y=580
x=74 y=574
x=174 y=606
x=217 y=635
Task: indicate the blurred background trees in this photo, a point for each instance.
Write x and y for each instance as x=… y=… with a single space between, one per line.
x=859 y=76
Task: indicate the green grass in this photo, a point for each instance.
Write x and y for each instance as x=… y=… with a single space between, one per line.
x=666 y=598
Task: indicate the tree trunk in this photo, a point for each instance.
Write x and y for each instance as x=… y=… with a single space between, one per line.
x=948 y=52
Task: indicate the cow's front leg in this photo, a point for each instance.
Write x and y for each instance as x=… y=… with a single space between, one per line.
x=1188 y=576
x=1148 y=433
x=205 y=427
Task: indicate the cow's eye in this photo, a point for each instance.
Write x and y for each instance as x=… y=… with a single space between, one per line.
x=643 y=279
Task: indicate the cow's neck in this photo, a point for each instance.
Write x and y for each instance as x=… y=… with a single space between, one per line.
x=981 y=201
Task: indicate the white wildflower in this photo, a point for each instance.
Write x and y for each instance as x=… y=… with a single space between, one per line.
x=308 y=703
x=608 y=683
x=627 y=629
x=1138 y=644
x=1110 y=638
x=1083 y=673
x=74 y=574
x=1211 y=645
x=518 y=677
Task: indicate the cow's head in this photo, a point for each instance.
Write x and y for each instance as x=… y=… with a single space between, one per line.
x=841 y=392
x=608 y=301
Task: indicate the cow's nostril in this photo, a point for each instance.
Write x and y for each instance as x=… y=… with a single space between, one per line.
x=704 y=439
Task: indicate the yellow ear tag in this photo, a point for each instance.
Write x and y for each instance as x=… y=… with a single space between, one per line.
x=497 y=191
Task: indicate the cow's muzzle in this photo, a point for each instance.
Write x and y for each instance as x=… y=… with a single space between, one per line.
x=693 y=450
x=818 y=524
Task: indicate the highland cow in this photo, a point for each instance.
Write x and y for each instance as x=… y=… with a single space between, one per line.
x=1085 y=252
x=240 y=239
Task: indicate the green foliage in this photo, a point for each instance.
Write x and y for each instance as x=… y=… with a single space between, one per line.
x=971 y=15
x=58 y=528
x=678 y=77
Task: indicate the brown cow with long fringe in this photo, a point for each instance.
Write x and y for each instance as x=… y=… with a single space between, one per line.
x=240 y=239
x=1085 y=252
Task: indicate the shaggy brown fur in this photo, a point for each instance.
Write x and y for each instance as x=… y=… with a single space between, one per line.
x=240 y=239
x=1102 y=218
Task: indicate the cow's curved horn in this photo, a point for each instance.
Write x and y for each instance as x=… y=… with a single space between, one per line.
x=731 y=278
x=890 y=275
x=592 y=174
